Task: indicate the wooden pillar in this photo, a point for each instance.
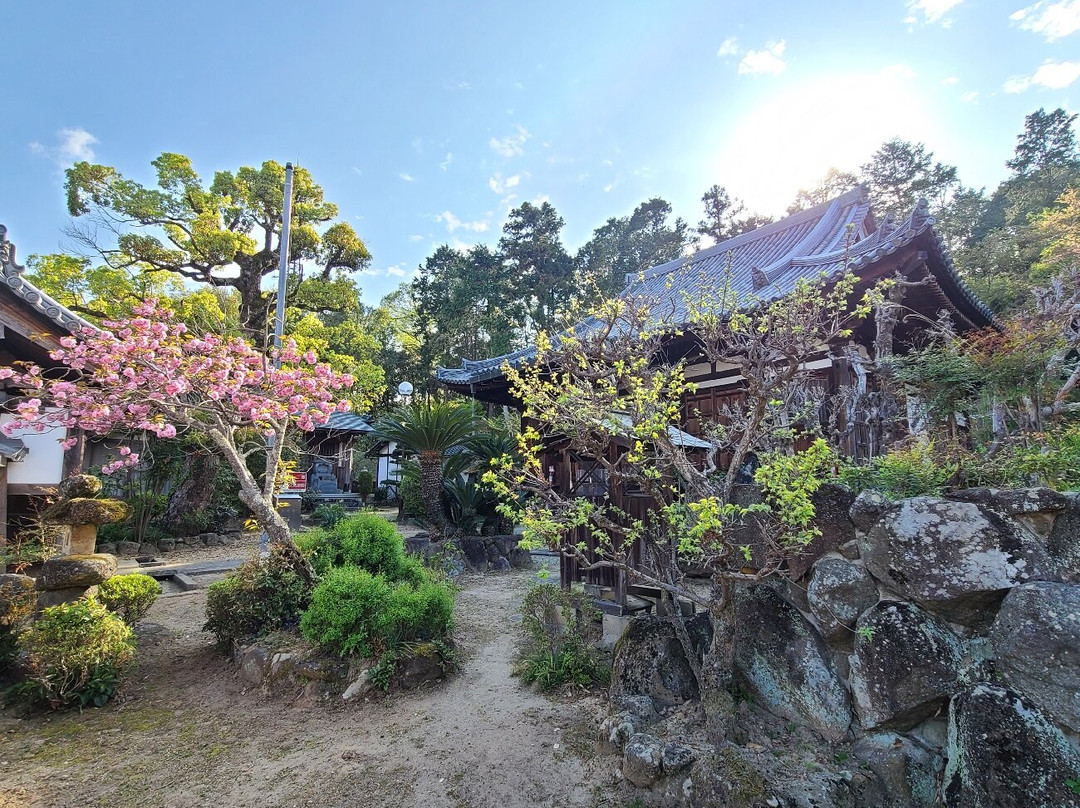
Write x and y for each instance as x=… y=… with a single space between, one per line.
x=75 y=457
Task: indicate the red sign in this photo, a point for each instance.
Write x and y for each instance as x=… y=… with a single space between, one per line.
x=296 y=484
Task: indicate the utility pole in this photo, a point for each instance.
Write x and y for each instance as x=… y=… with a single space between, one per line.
x=279 y=313
x=283 y=266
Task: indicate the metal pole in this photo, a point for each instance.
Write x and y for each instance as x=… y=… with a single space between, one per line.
x=283 y=266
x=279 y=313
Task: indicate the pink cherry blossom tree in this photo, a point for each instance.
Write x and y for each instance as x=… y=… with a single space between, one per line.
x=149 y=373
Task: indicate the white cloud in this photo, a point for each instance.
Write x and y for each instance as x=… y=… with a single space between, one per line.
x=1051 y=75
x=930 y=11
x=359 y=171
x=445 y=164
x=453 y=223
x=459 y=85
x=729 y=47
x=1052 y=20
x=416 y=237
x=396 y=272
x=970 y=97
x=511 y=145
x=407 y=177
x=766 y=60
x=950 y=80
x=501 y=186
x=72 y=145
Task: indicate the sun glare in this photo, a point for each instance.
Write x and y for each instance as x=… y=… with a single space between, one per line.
x=789 y=140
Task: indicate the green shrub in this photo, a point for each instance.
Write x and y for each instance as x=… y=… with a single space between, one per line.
x=363 y=540
x=365 y=482
x=1045 y=458
x=557 y=646
x=353 y=611
x=129 y=596
x=903 y=473
x=76 y=655
x=262 y=595
x=412 y=499
x=17 y=602
x=329 y=514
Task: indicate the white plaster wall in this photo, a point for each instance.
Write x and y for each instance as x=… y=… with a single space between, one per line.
x=44 y=460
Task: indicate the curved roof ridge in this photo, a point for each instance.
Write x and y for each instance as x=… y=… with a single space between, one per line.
x=11 y=275
x=852 y=197
x=823 y=227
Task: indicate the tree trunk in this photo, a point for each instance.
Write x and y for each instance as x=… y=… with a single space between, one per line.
x=262 y=507
x=431 y=490
x=718 y=666
x=194 y=492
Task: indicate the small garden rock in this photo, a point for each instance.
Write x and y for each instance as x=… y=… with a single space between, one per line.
x=906 y=769
x=675 y=758
x=54 y=597
x=838 y=593
x=127 y=548
x=642 y=758
x=253 y=664
x=1036 y=639
x=867 y=508
x=359 y=687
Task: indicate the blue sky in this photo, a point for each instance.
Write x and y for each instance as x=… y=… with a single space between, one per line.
x=427 y=122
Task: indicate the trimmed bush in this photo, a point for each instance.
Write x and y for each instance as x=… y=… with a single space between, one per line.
x=261 y=596
x=129 y=596
x=363 y=540
x=353 y=611
x=77 y=654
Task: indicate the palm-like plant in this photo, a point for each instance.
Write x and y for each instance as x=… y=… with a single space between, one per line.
x=430 y=429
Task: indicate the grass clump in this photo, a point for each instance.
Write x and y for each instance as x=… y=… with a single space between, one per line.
x=556 y=646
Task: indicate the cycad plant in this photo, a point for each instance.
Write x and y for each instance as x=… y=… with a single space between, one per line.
x=430 y=429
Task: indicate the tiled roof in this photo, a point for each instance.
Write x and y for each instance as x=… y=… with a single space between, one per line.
x=346 y=422
x=11 y=275
x=765 y=264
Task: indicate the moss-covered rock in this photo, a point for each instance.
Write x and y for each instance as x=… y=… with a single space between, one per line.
x=85 y=511
x=79 y=485
x=64 y=572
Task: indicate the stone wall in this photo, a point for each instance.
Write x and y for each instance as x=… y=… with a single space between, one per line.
x=938 y=637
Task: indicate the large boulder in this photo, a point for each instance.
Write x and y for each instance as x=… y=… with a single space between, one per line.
x=907 y=770
x=957 y=559
x=1004 y=752
x=831 y=506
x=63 y=572
x=839 y=592
x=1036 y=639
x=905 y=666
x=786 y=664
x=649 y=660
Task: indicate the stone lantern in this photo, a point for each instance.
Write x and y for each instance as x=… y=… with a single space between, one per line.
x=74 y=518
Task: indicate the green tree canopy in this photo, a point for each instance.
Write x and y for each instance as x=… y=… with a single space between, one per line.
x=899 y=173
x=631 y=244
x=226 y=234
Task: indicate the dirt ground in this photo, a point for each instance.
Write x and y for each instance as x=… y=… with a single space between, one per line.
x=186 y=732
